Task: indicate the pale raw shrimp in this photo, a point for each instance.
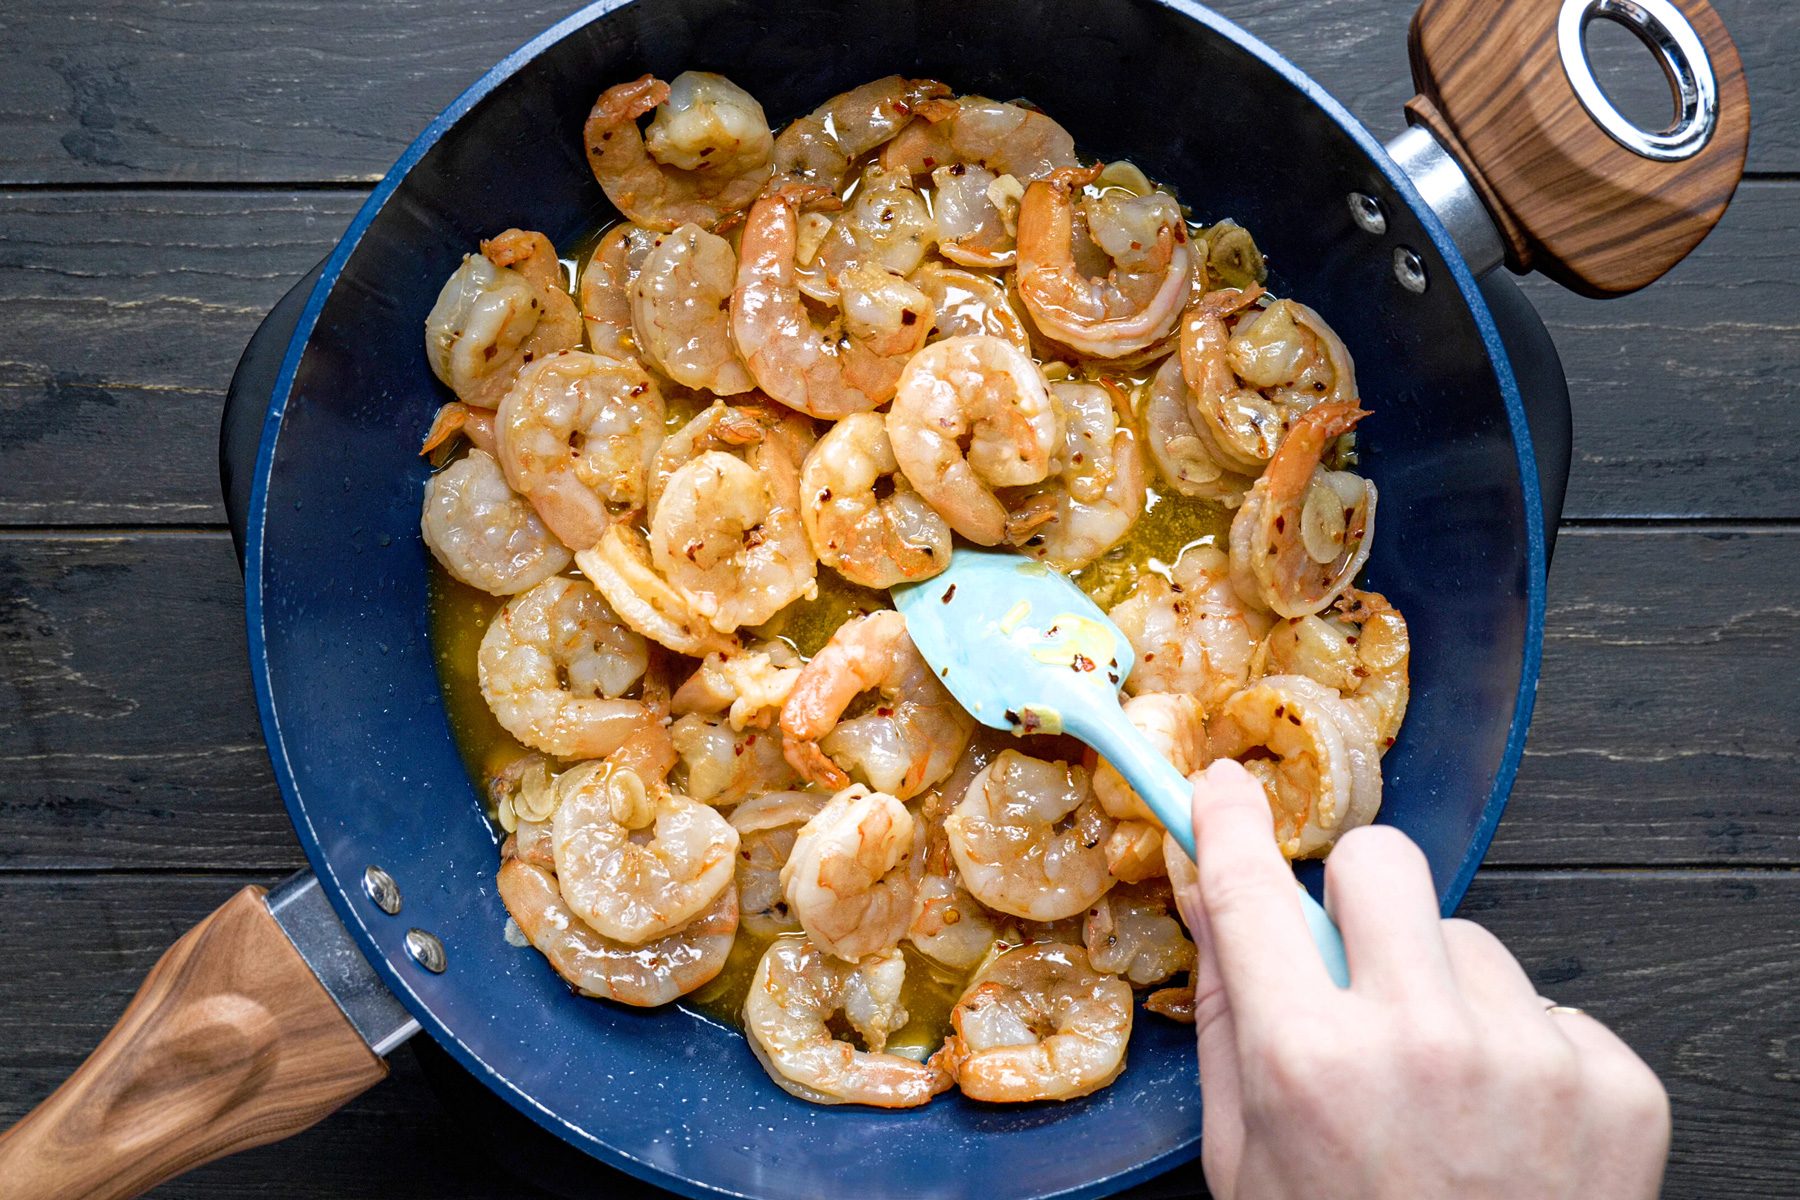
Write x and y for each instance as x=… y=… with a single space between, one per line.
x=497 y=312
x=554 y=664
x=798 y=988
x=977 y=215
x=910 y=738
x=886 y=224
x=1192 y=632
x=852 y=364
x=1095 y=492
x=669 y=179
x=678 y=303
x=748 y=686
x=1253 y=371
x=619 y=565
x=1007 y=139
x=1029 y=838
x=972 y=414
x=767 y=826
x=605 y=288
x=726 y=533
x=1303 y=531
x=819 y=147
x=458 y=419
x=722 y=766
x=1131 y=931
x=952 y=927
x=484 y=534
x=967 y=302
x=1138 y=301
x=1181 y=444
x=634 y=859
x=852 y=880
x=869 y=538
x=1038 y=1023
x=657 y=972
x=1134 y=850
x=576 y=436
x=1313 y=752
x=1359 y=647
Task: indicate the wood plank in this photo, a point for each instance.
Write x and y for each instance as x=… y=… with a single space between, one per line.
x=1696 y=970
x=122 y=315
x=122 y=749
x=294 y=90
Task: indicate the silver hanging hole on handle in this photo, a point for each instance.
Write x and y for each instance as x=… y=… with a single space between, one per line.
x=1666 y=32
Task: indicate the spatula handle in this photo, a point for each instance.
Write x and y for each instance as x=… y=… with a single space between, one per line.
x=1171 y=797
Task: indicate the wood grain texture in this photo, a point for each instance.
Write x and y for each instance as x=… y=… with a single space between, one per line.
x=135 y=751
x=293 y=90
x=229 y=1043
x=122 y=315
x=1714 y=1015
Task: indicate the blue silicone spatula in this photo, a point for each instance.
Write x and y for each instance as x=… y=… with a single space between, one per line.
x=1023 y=649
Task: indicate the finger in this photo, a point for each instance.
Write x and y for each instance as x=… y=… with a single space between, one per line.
x=1487 y=974
x=1378 y=889
x=1626 y=1101
x=1265 y=956
x=1221 y=1089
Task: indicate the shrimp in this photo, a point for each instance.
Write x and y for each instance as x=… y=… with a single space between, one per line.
x=1191 y=632
x=767 y=826
x=734 y=429
x=634 y=859
x=721 y=766
x=886 y=224
x=1181 y=444
x=1304 y=532
x=1359 y=648
x=796 y=991
x=977 y=215
x=553 y=666
x=965 y=302
x=1253 y=379
x=1313 y=752
x=852 y=880
x=818 y=148
x=1007 y=139
x=1095 y=492
x=620 y=567
x=726 y=534
x=908 y=741
x=1038 y=1023
x=484 y=534
x=1131 y=932
x=458 y=419
x=952 y=927
x=749 y=686
x=1174 y=723
x=678 y=303
x=645 y=976
x=1029 y=838
x=985 y=394
x=497 y=312
x=853 y=364
x=1141 y=297
x=576 y=436
x=869 y=538
x=605 y=288
x=668 y=179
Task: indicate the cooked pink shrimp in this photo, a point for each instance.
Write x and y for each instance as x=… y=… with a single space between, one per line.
x=819 y=147
x=1007 y=139
x=498 y=312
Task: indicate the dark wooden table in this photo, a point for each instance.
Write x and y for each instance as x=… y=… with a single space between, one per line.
x=168 y=168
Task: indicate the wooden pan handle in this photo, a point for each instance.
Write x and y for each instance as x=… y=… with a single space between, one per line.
x=231 y=1042
x=1572 y=200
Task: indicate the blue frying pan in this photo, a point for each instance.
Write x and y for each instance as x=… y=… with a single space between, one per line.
x=399 y=918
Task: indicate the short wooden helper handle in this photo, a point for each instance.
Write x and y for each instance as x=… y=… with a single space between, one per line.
x=1572 y=200
x=231 y=1042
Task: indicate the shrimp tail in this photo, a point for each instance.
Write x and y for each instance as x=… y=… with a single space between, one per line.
x=812 y=763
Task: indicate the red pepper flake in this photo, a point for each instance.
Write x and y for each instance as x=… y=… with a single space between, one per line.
x=1081 y=662
x=1280 y=523
x=1149 y=655
x=1281 y=710
x=1350 y=638
x=948 y=592
x=1292 y=719
x=1387 y=741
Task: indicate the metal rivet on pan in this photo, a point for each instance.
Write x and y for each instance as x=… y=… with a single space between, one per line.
x=1365 y=210
x=426 y=950
x=381 y=888
x=1409 y=269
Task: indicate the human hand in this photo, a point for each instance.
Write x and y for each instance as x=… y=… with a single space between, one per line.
x=1437 y=1073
